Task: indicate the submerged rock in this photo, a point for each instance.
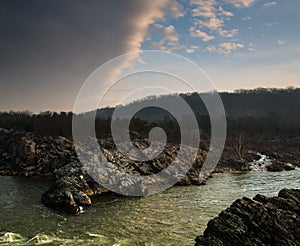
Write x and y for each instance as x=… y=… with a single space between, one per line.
x=258 y=221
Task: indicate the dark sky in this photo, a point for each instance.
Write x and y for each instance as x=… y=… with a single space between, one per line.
x=48 y=48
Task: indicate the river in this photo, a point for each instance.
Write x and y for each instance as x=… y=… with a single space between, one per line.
x=173 y=217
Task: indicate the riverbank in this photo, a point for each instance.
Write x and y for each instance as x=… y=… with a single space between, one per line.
x=32 y=155
x=173 y=217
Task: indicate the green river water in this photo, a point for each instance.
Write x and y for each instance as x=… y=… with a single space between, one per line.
x=173 y=217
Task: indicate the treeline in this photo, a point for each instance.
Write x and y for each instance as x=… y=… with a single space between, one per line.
x=249 y=112
x=283 y=104
x=45 y=123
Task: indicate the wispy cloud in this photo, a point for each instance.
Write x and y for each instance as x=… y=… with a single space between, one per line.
x=171 y=34
x=203 y=8
x=270 y=4
x=241 y=3
x=247 y=18
x=228 y=47
x=225 y=13
x=156 y=10
x=252 y=47
x=225 y=48
x=200 y=34
x=213 y=23
x=270 y=24
x=281 y=42
x=210 y=17
x=191 y=49
x=228 y=34
x=175 y=9
x=167 y=46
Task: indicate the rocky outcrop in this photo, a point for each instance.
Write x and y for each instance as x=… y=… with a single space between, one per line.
x=285 y=155
x=232 y=166
x=74 y=186
x=278 y=166
x=258 y=221
x=32 y=155
x=23 y=153
x=72 y=189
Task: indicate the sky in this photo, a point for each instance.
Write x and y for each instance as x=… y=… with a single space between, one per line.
x=49 y=48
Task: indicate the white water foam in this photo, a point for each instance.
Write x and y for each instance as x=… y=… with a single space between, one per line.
x=260 y=165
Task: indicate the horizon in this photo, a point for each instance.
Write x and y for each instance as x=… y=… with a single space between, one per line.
x=236 y=91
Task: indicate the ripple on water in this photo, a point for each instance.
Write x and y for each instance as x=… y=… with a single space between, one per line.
x=173 y=217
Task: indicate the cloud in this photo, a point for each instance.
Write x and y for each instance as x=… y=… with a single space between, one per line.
x=170 y=33
x=167 y=46
x=270 y=4
x=204 y=8
x=225 y=13
x=154 y=12
x=211 y=48
x=241 y=3
x=49 y=48
x=158 y=26
x=225 y=48
x=281 y=42
x=200 y=34
x=212 y=23
x=247 y=18
x=252 y=47
x=175 y=9
x=210 y=16
x=191 y=49
x=228 y=34
x=270 y=24
x=231 y=46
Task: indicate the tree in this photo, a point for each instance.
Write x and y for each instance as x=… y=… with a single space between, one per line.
x=239 y=146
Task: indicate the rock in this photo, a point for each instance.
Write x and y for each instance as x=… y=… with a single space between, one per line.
x=27 y=151
x=69 y=193
x=82 y=199
x=33 y=155
x=70 y=204
x=277 y=166
x=232 y=166
x=258 y=221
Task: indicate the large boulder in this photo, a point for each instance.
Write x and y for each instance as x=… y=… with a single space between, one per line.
x=72 y=189
x=258 y=221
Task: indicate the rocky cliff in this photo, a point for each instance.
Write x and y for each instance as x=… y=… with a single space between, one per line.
x=258 y=221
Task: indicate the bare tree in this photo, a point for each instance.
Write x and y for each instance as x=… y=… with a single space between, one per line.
x=239 y=146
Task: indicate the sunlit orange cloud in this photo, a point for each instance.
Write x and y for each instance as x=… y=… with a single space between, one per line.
x=151 y=12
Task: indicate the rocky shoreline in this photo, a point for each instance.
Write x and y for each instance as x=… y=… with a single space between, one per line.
x=23 y=153
x=258 y=221
x=27 y=154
